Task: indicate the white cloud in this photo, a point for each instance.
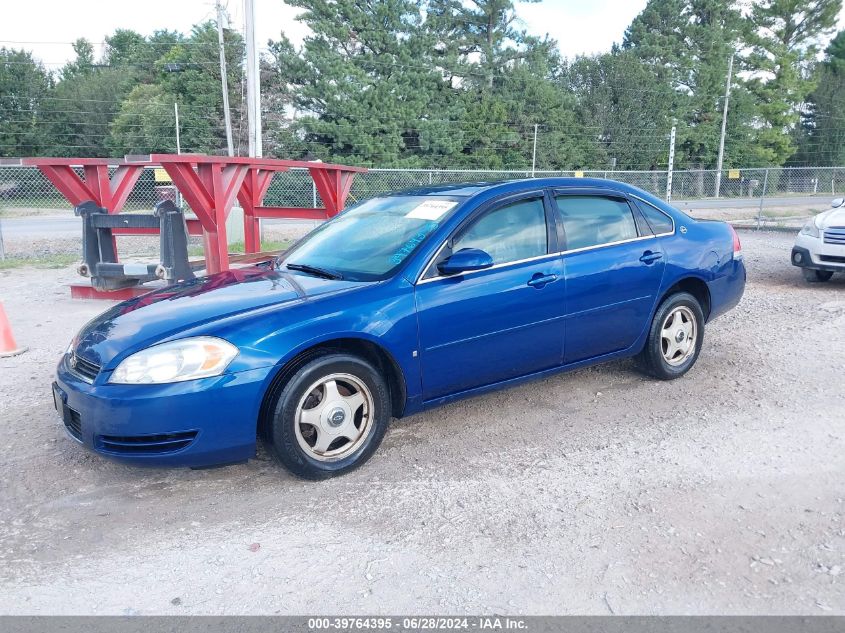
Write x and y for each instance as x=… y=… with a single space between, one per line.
x=579 y=26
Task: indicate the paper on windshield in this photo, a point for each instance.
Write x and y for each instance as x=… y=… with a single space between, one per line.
x=430 y=209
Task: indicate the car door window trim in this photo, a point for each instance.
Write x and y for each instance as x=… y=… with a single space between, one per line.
x=555 y=191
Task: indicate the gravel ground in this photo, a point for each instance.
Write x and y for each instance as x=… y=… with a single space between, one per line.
x=594 y=492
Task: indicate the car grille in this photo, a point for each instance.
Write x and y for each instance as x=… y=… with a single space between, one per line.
x=833 y=259
x=84 y=368
x=73 y=423
x=146 y=444
x=835 y=235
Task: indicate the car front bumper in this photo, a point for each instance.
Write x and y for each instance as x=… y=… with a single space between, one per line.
x=197 y=423
x=814 y=253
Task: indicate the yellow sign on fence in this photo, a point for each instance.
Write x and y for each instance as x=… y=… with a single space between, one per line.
x=579 y=174
x=161 y=175
x=733 y=174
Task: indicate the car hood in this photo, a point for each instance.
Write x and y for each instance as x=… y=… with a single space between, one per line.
x=163 y=313
x=833 y=217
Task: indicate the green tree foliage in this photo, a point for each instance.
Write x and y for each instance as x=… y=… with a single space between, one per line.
x=688 y=45
x=24 y=83
x=821 y=138
x=82 y=105
x=623 y=108
x=366 y=84
x=189 y=74
x=455 y=83
x=784 y=41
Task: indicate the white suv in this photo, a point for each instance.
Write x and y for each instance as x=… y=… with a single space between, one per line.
x=820 y=246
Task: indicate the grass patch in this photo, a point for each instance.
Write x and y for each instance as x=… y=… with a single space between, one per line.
x=50 y=261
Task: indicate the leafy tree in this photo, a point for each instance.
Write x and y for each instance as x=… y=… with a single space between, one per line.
x=82 y=105
x=189 y=74
x=366 y=81
x=688 y=44
x=821 y=138
x=23 y=85
x=784 y=46
x=145 y=124
x=625 y=110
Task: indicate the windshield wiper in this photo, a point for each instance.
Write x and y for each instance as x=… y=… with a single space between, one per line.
x=314 y=270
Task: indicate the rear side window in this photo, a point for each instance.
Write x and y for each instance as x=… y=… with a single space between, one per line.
x=510 y=233
x=657 y=220
x=595 y=220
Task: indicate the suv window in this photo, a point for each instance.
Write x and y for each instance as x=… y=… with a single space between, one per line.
x=509 y=233
x=595 y=220
x=657 y=220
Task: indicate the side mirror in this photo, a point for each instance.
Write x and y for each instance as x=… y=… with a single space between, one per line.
x=837 y=202
x=465 y=260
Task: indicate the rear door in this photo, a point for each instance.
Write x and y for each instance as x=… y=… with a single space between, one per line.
x=613 y=269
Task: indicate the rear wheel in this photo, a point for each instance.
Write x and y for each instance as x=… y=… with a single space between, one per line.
x=675 y=338
x=816 y=275
x=330 y=417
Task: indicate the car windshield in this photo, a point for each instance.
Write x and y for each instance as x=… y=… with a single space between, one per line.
x=369 y=241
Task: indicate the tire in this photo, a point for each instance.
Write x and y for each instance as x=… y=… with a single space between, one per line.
x=658 y=358
x=315 y=438
x=816 y=275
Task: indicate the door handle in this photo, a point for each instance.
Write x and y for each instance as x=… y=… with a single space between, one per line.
x=650 y=257
x=539 y=280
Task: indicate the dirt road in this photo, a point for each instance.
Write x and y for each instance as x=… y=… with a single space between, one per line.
x=598 y=491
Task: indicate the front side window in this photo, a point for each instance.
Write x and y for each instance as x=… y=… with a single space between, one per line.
x=368 y=241
x=595 y=220
x=510 y=233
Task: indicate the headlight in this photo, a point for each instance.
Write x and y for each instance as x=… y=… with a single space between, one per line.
x=810 y=229
x=186 y=359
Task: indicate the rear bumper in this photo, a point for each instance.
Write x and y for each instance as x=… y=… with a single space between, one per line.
x=206 y=422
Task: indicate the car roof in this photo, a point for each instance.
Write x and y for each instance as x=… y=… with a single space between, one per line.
x=469 y=189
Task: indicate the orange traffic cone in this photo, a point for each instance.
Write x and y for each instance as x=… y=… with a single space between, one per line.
x=8 y=347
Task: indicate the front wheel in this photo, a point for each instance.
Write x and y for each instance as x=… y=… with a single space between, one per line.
x=330 y=417
x=816 y=275
x=674 y=339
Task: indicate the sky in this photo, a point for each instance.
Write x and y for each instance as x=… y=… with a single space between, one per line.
x=579 y=26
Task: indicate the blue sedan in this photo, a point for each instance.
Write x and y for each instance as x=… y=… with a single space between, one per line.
x=400 y=303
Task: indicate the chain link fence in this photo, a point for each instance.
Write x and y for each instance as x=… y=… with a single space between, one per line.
x=25 y=191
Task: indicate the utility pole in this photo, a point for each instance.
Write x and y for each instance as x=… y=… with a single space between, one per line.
x=253 y=81
x=176 y=112
x=224 y=79
x=534 y=155
x=724 y=125
x=671 y=165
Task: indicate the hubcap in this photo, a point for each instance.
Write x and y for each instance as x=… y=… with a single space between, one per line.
x=678 y=336
x=334 y=417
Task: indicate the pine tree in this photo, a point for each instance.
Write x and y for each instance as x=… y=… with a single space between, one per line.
x=784 y=47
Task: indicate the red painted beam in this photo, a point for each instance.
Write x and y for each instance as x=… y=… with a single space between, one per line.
x=79 y=291
x=293 y=213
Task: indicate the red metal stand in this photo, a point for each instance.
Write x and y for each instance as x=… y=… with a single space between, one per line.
x=209 y=184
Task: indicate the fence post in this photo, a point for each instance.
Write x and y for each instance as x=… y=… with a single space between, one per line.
x=762 y=195
x=2 y=247
x=429 y=177
x=313 y=194
x=671 y=165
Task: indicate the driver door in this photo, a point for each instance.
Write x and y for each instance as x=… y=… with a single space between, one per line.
x=486 y=326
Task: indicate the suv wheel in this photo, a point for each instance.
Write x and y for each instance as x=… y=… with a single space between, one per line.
x=816 y=275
